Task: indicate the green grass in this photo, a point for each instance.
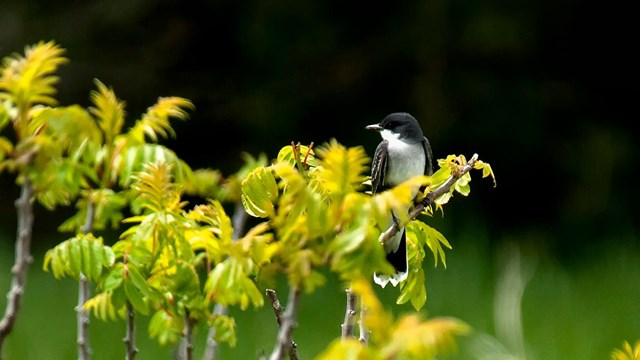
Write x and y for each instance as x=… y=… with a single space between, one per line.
x=581 y=311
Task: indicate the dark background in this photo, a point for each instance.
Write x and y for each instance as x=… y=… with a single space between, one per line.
x=545 y=91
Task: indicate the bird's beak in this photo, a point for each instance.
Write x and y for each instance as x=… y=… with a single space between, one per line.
x=374 y=127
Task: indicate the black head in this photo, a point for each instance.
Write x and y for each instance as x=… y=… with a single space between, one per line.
x=401 y=124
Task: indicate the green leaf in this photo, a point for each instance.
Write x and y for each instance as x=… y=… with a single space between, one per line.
x=30 y=79
x=165 y=327
x=228 y=284
x=349 y=349
x=101 y=306
x=114 y=278
x=225 y=329
x=136 y=298
x=259 y=192
x=425 y=234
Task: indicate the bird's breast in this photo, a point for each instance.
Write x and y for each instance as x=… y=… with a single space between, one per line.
x=404 y=162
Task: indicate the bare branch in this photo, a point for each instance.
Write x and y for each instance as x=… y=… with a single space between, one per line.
x=23 y=259
x=364 y=332
x=287 y=324
x=185 y=350
x=429 y=198
x=84 y=349
x=350 y=315
x=277 y=310
x=130 y=337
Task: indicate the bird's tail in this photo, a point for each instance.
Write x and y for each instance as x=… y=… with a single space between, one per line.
x=398 y=259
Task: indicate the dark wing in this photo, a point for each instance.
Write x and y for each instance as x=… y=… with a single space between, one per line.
x=379 y=167
x=428 y=156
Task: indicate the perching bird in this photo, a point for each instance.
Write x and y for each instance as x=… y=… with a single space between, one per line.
x=403 y=153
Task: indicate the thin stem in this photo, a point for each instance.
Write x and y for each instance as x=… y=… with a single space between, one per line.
x=364 y=332
x=350 y=315
x=23 y=259
x=130 y=337
x=84 y=349
x=288 y=323
x=186 y=345
x=277 y=310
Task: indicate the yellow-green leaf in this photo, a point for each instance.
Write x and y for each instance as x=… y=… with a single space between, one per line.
x=259 y=192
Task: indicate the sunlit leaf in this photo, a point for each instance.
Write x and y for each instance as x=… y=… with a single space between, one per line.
x=627 y=352
x=259 y=191
x=349 y=349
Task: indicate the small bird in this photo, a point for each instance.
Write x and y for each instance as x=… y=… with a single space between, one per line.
x=403 y=153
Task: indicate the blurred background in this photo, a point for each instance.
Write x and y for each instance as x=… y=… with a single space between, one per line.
x=544 y=266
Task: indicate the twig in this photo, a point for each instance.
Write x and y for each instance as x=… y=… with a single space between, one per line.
x=364 y=332
x=84 y=349
x=348 y=325
x=239 y=221
x=23 y=259
x=130 y=337
x=429 y=198
x=277 y=310
x=185 y=350
x=284 y=342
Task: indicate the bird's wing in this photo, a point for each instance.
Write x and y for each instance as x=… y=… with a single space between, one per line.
x=428 y=157
x=379 y=167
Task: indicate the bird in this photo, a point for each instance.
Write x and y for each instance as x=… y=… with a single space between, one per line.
x=403 y=153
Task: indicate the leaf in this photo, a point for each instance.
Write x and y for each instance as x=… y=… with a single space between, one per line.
x=225 y=329
x=287 y=154
x=425 y=234
x=416 y=339
x=135 y=158
x=109 y=111
x=101 y=306
x=627 y=352
x=259 y=192
x=228 y=284
x=113 y=278
x=166 y=328
x=155 y=121
x=28 y=80
x=348 y=349
x=341 y=170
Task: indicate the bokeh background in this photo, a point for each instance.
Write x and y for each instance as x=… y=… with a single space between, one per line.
x=545 y=91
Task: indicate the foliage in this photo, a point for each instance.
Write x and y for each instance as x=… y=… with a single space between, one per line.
x=173 y=263
x=407 y=338
x=627 y=352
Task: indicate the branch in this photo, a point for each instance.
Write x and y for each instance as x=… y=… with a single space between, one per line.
x=277 y=310
x=84 y=349
x=185 y=350
x=23 y=259
x=429 y=198
x=129 y=339
x=364 y=332
x=239 y=220
x=349 y=316
x=287 y=324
